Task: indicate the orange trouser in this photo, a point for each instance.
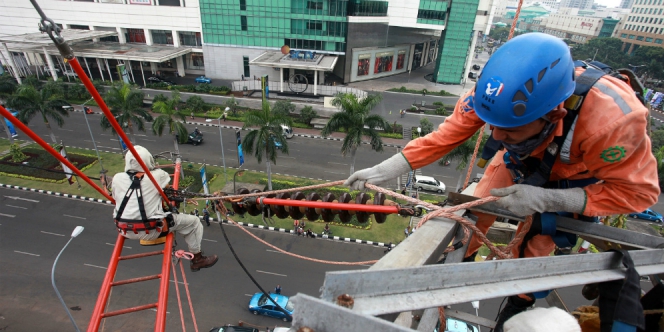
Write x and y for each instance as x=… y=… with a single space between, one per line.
x=498 y=176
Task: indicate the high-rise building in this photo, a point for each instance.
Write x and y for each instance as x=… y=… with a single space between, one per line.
x=643 y=26
x=581 y=4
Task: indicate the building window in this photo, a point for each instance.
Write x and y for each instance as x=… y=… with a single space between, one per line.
x=191 y=39
x=431 y=15
x=363 y=62
x=243 y=22
x=172 y=3
x=639 y=37
x=110 y=39
x=245 y=62
x=197 y=61
x=243 y=4
x=164 y=37
x=315 y=25
x=367 y=8
x=623 y=35
x=648 y=39
x=135 y=36
x=631 y=37
x=79 y=27
x=305 y=44
x=383 y=62
x=316 y=5
x=658 y=41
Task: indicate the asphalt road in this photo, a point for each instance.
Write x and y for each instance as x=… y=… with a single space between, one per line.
x=35 y=227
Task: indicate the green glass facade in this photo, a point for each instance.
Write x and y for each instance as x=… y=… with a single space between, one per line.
x=608 y=26
x=455 y=42
x=303 y=24
x=432 y=12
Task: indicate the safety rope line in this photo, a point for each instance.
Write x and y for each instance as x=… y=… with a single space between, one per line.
x=236 y=198
x=480 y=136
x=177 y=293
x=179 y=255
x=515 y=21
x=186 y=289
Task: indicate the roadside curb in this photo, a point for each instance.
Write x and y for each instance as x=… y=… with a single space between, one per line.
x=281 y=230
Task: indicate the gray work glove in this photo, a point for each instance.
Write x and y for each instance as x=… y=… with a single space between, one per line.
x=387 y=170
x=524 y=200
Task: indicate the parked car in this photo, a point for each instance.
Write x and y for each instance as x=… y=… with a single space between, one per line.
x=195 y=138
x=203 y=79
x=288 y=131
x=476 y=67
x=259 y=304
x=428 y=183
x=472 y=75
x=230 y=328
x=159 y=79
x=648 y=214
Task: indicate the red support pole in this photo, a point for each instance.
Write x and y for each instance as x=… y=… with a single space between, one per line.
x=111 y=119
x=18 y=124
x=334 y=206
x=102 y=299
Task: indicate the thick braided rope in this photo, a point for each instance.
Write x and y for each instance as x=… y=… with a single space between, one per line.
x=480 y=136
x=516 y=20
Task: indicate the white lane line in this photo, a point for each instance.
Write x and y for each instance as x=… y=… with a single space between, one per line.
x=113 y=245
x=272 y=273
x=329 y=162
x=250 y=295
x=22 y=199
x=18 y=207
x=335 y=172
x=209 y=240
x=179 y=282
x=99 y=267
x=66 y=215
x=53 y=233
x=25 y=253
x=155 y=310
x=366 y=265
x=141 y=135
x=66 y=129
x=104 y=134
x=231 y=149
x=149 y=140
x=115 y=140
x=7 y=215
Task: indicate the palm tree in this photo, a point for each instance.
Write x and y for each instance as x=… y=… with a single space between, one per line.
x=8 y=86
x=31 y=102
x=126 y=104
x=266 y=137
x=172 y=118
x=462 y=154
x=356 y=121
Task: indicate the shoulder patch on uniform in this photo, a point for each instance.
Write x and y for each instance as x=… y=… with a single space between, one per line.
x=613 y=154
x=468 y=104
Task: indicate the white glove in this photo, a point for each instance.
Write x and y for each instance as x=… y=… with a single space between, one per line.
x=385 y=171
x=524 y=200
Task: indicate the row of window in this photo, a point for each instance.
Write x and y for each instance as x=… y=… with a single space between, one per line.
x=648 y=2
x=644 y=29
x=650 y=11
x=164 y=37
x=641 y=38
x=647 y=19
x=333 y=7
x=431 y=15
x=308 y=27
x=171 y=3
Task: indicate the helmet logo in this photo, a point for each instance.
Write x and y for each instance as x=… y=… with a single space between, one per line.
x=495 y=91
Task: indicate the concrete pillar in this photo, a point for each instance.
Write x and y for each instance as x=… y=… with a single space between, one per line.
x=181 y=3
x=51 y=66
x=121 y=35
x=176 y=37
x=281 y=79
x=11 y=64
x=92 y=28
x=321 y=77
x=315 y=82
x=148 y=36
x=142 y=73
x=109 y=70
x=101 y=71
x=425 y=50
x=153 y=67
x=180 y=62
x=291 y=72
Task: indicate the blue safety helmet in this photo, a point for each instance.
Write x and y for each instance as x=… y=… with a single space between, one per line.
x=524 y=79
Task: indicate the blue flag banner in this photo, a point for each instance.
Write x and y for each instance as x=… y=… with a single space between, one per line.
x=240 y=155
x=206 y=188
x=124 y=146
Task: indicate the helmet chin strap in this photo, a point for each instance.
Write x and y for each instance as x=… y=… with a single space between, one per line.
x=526 y=147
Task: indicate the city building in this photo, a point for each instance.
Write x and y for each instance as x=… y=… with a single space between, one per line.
x=231 y=39
x=581 y=4
x=568 y=24
x=643 y=26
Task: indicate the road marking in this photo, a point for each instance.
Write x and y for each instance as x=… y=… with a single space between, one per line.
x=113 y=245
x=140 y=135
x=270 y=250
x=335 y=172
x=18 y=207
x=113 y=139
x=155 y=310
x=329 y=162
x=250 y=295
x=149 y=140
x=7 y=215
x=22 y=199
x=25 y=253
x=209 y=240
x=104 y=134
x=52 y=233
x=66 y=129
x=276 y=274
x=66 y=215
x=99 y=267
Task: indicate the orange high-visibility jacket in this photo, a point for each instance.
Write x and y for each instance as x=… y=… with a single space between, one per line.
x=610 y=143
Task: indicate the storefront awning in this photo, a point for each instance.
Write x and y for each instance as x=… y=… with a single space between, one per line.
x=70 y=35
x=275 y=59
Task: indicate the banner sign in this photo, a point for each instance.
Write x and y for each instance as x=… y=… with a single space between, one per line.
x=206 y=188
x=240 y=155
x=265 y=89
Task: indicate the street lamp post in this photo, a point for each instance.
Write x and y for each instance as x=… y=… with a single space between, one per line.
x=74 y=234
x=221 y=142
x=85 y=115
x=234 y=175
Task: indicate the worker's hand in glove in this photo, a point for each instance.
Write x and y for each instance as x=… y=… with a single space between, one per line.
x=387 y=170
x=524 y=200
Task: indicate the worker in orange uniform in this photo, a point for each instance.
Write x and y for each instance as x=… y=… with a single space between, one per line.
x=596 y=161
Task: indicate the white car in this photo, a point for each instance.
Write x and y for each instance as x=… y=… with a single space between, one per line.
x=428 y=183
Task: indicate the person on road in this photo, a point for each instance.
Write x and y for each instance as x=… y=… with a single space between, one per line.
x=277 y=290
x=603 y=166
x=206 y=216
x=139 y=214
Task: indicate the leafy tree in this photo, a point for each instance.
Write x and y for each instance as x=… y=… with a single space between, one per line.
x=126 y=104
x=307 y=114
x=33 y=80
x=356 y=121
x=503 y=33
x=261 y=141
x=158 y=98
x=462 y=154
x=57 y=88
x=283 y=107
x=16 y=153
x=8 y=85
x=652 y=58
x=606 y=50
x=196 y=104
x=77 y=91
x=232 y=104
x=657 y=138
x=31 y=102
x=426 y=125
x=170 y=118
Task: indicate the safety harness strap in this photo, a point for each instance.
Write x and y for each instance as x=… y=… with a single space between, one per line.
x=136 y=225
